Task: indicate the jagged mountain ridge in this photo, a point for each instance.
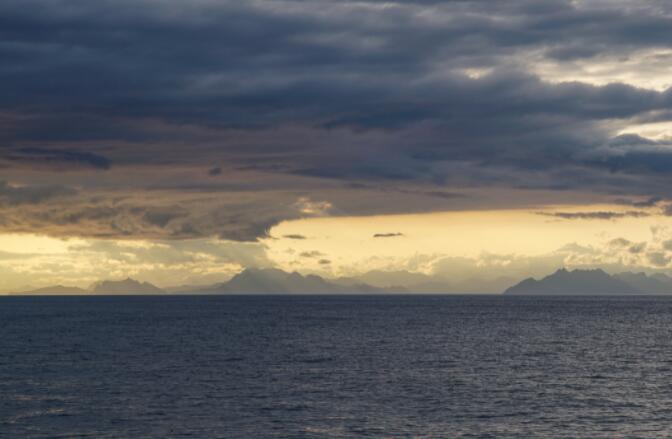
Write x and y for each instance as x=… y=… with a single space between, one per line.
x=126 y=286
x=592 y=282
x=274 y=281
x=106 y=287
x=249 y=281
x=57 y=290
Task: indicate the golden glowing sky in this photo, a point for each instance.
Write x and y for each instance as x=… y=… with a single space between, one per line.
x=468 y=233
x=477 y=243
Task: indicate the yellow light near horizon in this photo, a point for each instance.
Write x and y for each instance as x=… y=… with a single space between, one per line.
x=463 y=234
x=36 y=244
x=335 y=246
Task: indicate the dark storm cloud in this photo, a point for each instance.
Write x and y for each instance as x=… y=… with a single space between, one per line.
x=650 y=202
x=162 y=217
x=359 y=92
x=327 y=63
x=167 y=216
x=16 y=195
x=298 y=64
x=51 y=156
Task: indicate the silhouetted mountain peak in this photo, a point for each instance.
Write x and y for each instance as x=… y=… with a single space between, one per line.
x=575 y=282
x=275 y=281
x=126 y=286
x=593 y=282
x=55 y=290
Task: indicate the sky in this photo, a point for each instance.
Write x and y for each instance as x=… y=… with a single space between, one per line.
x=179 y=142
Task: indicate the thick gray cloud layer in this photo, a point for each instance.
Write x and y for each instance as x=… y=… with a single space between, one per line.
x=413 y=97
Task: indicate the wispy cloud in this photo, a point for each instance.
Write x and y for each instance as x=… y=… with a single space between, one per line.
x=294 y=236
x=598 y=215
x=388 y=235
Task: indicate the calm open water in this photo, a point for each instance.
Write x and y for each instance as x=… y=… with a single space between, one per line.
x=335 y=367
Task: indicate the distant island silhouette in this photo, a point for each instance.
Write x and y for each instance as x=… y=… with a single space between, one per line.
x=249 y=281
x=274 y=281
x=593 y=282
x=106 y=287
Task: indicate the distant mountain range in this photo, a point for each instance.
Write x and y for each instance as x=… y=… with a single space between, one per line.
x=593 y=282
x=373 y=282
x=56 y=290
x=249 y=281
x=107 y=287
x=405 y=281
x=273 y=281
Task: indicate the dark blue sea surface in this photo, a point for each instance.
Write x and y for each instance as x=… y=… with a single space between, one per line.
x=335 y=367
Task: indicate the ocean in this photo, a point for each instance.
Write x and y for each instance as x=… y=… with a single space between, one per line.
x=335 y=367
